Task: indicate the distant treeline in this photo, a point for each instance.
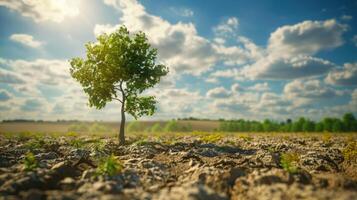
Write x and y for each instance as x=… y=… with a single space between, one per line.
x=347 y=123
x=38 y=121
x=194 y=119
x=169 y=126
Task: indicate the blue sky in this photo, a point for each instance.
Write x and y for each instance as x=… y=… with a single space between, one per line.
x=227 y=59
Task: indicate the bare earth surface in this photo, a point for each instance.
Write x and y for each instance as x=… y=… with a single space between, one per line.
x=200 y=166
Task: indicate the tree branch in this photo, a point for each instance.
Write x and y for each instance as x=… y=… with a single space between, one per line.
x=118 y=100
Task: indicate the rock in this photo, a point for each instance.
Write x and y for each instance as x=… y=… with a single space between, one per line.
x=318 y=161
x=33 y=194
x=208 y=153
x=67 y=183
x=101 y=186
x=88 y=174
x=189 y=192
x=295 y=191
x=14 y=186
x=46 y=156
x=64 y=169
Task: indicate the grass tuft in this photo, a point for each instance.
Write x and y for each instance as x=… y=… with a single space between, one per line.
x=289 y=162
x=211 y=138
x=350 y=152
x=110 y=166
x=30 y=162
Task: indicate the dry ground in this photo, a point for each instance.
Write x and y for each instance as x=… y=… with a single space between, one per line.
x=196 y=165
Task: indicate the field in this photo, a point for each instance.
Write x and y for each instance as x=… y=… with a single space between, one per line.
x=52 y=161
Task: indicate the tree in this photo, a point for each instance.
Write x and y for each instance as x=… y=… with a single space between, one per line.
x=308 y=126
x=337 y=126
x=119 y=66
x=298 y=125
x=328 y=123
x=349 y=122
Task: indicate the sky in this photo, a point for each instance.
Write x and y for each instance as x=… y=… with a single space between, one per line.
x=227 y=59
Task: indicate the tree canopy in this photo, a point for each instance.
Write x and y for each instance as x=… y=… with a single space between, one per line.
x=119 y=66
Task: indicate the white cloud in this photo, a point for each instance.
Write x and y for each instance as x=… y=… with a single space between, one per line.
x=183 y=12
x=290 y=50
x=41 y=71
x=179 y=45
x=227 y=27
x=26 y=40
x=174 y=102
x=287 y=68
x=346 y=17
x=306 y=38
x=219 y=92
x=260 y=87
x=45 y=10
x=227 y=73
x=354 y=40
x=343 y=76
x=234 y=55
x=310 y=89
x=235 y=88
x=10 y=77
x=4 y=95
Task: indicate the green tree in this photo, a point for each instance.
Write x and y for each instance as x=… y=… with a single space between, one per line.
x=308 y=126
x=349 y=122
x=328 y=123
x=298 y=125
x=119 y=66
x=337 y=126
x=319 y=127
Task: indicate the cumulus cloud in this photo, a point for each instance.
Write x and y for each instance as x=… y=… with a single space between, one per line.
x=183 y=12
x=10 y=77
x=179 y=45
x=346 y=17
x=260 y=87
x=311 y=89
x=46 y=10
x=238 y=55
x=31 y=105
x=306 y=38
x=287 y=68
x=227 y=27
x=343 y=76
x=219 y=92
x=227 y=73
x=291 y=49
x=4 y=95
x=41 y=71
x=235 y=88
x=354 y=40
x=26 y=40
x=174 y=102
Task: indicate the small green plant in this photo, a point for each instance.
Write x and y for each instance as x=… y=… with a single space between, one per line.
x=77 y=143
x=350 y=152
x=134 y=126
x=246 y=138
x=156 y=128
x=211 y=138
x=35 y=143
x=231 y=142
x=98 y=145
x=78 y=127
x=289 y=162
x=110 y=166
x=30 y=162
x=326 y=137
x=71 y=134
x=141 y=142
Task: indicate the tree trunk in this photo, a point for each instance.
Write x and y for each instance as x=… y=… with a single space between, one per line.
x=122 y=126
